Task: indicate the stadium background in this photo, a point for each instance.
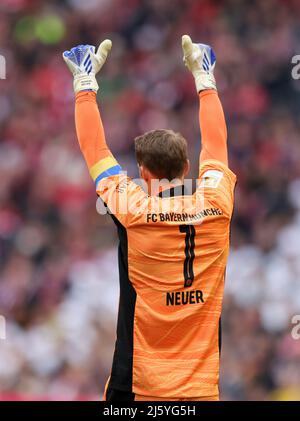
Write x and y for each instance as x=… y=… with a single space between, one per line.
x=58 y=273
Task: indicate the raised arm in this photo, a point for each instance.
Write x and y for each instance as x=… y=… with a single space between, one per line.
x=213 y=127
x=84 y=63
x=200 y=59
x=91 y=137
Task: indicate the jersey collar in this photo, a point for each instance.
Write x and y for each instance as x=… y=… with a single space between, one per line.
x=173 y=191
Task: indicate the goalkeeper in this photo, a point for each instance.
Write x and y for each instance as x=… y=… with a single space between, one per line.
x=173 y=246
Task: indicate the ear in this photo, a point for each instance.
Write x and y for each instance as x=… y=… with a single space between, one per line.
x=187 y=167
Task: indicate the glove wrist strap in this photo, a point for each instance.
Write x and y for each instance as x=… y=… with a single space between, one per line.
x=84 y=82
x=204 y=80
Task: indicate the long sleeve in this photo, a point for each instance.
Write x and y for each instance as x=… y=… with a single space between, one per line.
x=91 y=137
x=120 y=194
x=213 y=127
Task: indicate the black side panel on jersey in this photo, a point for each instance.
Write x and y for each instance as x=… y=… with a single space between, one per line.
x=121 y=374
x=220 y=336
x=113 y=395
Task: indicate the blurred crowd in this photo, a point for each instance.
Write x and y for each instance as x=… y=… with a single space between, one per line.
x=58 y=269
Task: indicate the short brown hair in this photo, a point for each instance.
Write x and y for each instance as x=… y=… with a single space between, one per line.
x=163 y=152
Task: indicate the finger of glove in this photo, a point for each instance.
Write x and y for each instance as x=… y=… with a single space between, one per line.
x=187 y=45
x=185 y=62
x=72 y=67
x=103 y=50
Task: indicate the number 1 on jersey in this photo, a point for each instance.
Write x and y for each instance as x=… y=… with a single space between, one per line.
x=189 y=252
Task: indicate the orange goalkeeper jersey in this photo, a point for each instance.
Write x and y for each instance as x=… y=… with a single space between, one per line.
x=172 y=258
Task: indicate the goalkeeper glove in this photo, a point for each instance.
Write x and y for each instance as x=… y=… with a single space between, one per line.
x=200 y=59
x=84 y=63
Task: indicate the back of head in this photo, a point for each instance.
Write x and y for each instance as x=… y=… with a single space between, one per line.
x=162 y=152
